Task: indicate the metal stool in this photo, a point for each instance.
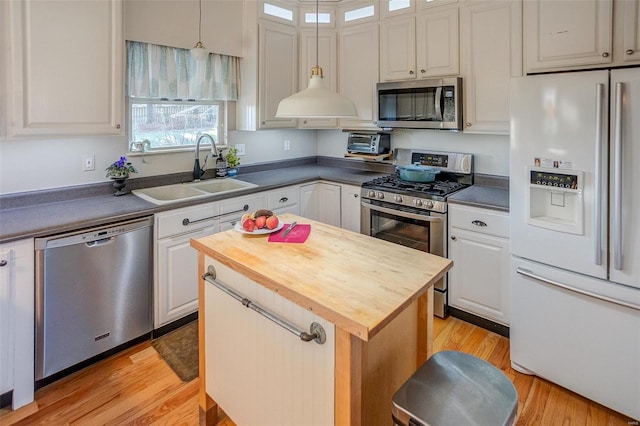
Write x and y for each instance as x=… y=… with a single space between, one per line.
x=455 y=388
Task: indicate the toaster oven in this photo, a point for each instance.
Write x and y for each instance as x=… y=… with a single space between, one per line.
x=368 y=143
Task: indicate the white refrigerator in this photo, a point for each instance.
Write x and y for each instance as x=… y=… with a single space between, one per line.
x=575 y=232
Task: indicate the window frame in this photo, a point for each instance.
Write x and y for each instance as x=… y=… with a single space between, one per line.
x=223 y=118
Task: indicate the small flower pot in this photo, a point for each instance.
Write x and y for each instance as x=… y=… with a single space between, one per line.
x=232 y=171
x=118 y=184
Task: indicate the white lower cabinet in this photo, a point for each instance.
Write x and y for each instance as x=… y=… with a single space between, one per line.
x=284 y=200
x=176 y=262
x=350 y=211
x=231 y=210
x=17 y=295
x=321 y=201
x=479 y=248
x=258 y=372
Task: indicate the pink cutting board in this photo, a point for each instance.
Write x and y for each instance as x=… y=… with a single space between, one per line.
x=298 y=234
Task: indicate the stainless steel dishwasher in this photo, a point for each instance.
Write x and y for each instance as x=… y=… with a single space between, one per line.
x=93 y=292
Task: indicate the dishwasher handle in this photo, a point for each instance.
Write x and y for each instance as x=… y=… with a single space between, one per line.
x=101 y=242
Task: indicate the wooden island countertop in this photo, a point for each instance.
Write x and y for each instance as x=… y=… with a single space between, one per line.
x=357 y=282
x=379 y=296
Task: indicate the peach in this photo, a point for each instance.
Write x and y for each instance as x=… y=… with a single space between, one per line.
x=249 y=225
x=272 y=222
x=261 y=221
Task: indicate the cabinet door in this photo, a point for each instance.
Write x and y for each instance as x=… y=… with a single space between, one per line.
x=176 y=278
x=565 y=34
x=479 y=280
x=67 y=67
x=329 y=204
x=278 y=72
x=6 y=319
x=491 y=55
x=327 y=43
x=350 y=212
x=358 y=72
x=17 y=296
x=398 y=49
x=628 y=25
x=437 y=41
x=309 y=201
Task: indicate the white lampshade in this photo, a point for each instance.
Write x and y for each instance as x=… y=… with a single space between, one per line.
x=316 y=101
x=198 y=52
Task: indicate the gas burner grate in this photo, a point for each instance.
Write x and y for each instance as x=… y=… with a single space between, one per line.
x=437 y=187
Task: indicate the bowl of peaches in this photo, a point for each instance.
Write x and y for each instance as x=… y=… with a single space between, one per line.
x=259 y=222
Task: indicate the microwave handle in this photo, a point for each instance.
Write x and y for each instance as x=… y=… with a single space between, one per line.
x=437 y=102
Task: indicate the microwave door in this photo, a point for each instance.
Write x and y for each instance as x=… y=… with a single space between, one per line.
x=405 y=106
x=428 y=105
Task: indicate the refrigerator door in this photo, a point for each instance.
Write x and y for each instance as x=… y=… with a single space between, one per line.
x=624 y=263
x=586 y=340
x=561 y=120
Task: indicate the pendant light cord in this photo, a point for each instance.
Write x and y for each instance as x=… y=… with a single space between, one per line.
x=200 y=23
x=317 y=42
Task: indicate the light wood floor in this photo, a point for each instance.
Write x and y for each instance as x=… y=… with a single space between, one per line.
x=137 y=387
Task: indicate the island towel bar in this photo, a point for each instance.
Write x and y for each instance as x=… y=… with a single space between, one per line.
x=186 y=221
x=316 y=332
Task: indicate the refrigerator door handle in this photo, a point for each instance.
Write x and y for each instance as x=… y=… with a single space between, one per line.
x=617 y=180
x=527 y=273
x=597 y=208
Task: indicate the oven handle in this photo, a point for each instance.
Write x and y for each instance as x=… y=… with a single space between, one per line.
x=401 y=213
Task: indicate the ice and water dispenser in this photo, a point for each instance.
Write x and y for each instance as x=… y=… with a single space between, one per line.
x=555 y=199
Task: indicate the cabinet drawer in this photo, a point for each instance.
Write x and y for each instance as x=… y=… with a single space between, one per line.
x=172 y=222
x=283 y=197
x=232 y=209
x=490 y=222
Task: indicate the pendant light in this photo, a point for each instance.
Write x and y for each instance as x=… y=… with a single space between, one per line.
x=198 y=51
x=316 y=101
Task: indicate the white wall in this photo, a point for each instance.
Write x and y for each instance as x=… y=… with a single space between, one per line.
x=35 y=164
x=491 y=153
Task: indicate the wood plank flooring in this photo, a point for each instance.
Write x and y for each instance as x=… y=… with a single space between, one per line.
x=136 y=387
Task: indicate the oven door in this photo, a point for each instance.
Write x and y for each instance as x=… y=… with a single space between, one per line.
x=418 y=229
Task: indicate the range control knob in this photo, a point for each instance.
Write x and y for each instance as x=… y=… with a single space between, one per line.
x=380 y=195
x=371 y=194
x=417 y=202
x=397 y=198
x=429 y=204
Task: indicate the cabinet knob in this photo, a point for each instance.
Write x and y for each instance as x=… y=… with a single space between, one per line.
x=355 y=195
x=3 y=262
x=304 y=121
x=454 y=238
x=629 y=52
x=468 y=124
x=411 y=72
x=423 y=71
x=117 y=126
x=605 y=55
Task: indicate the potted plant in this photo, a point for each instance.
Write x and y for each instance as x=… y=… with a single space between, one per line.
x=233 y=161
x=119 y=171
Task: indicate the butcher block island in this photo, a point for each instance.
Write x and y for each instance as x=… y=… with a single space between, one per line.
x=314 y=333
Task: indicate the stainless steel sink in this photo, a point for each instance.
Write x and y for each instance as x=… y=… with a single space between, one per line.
x=188 y=191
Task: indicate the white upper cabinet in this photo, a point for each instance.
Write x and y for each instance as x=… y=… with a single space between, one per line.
x=491 y=53
x=358 y=72
x=421 y=46
x=425 y=4
x=568 y=34
x=278 y=72
x=626 y=35
x=66 y=73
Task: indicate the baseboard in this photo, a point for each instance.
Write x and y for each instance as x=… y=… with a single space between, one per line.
x=500 y=329
x=174 y=325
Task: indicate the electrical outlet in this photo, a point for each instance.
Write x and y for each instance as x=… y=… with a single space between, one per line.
x=287 y=145
x=240 y=148
x=89 y=162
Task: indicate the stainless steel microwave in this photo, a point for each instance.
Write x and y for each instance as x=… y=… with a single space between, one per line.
x=421 y=104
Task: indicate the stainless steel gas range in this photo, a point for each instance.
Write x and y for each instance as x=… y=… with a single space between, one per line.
x=415 y=214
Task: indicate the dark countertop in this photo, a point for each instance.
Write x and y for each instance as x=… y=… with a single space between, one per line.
x=29 y=220
x=489 y=192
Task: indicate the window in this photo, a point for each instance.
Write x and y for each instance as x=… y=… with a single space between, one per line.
x=273 y=10
x=360 y=13
x=323 y=18
x=174 y=124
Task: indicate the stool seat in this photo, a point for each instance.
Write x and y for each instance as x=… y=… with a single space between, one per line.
x=455 y=388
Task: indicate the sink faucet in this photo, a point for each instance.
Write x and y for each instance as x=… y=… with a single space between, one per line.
x=198 y=172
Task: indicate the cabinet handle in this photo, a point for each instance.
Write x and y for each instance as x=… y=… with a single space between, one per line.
x=454 y=238
x=605 y=55
x=283 y=200
x=478 y=223
x=629 y=52
x=3 y=262
x=411 y=72
x=186 y=221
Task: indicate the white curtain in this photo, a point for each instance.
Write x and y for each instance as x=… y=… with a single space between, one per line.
x=158 y=72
